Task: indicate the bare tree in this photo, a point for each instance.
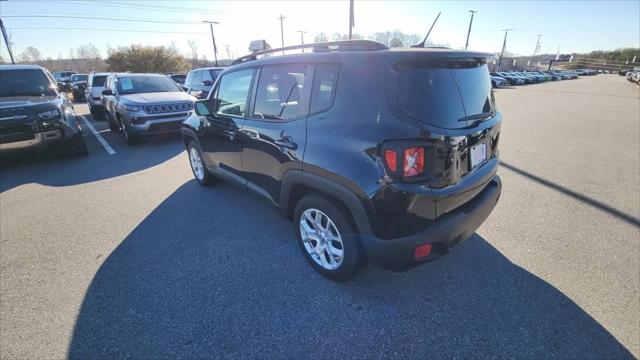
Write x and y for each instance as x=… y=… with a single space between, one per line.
x=87 y=51
x=321 y=37
x=193 y=56
x=30 y=55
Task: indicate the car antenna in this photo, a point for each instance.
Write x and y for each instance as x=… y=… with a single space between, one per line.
x=421 y=45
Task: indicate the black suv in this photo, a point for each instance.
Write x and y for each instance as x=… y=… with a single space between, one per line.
x=34 y=115
x=378 y=154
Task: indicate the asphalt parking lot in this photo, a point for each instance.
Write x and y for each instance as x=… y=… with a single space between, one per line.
x=124 y=255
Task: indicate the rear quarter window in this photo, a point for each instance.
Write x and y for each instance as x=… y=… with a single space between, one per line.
x=325 y=82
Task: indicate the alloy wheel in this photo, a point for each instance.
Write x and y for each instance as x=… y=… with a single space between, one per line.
x=321 y=239
x=196 y=163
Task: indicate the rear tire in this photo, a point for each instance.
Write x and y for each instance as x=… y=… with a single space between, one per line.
x=325 y=236
x=198 y=167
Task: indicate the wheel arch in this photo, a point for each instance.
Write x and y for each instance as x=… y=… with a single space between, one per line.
x=297 y=184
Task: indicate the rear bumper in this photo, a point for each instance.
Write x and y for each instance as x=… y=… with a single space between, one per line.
x=444 y=233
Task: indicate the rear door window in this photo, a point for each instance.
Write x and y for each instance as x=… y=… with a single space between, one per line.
x=448 y=94
x=280 y=94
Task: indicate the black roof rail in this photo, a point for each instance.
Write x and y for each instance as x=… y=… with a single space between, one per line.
x=344 y=45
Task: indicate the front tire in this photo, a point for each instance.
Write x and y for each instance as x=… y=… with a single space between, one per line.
x=129 y=138
x=325 y=236
x=198 y=167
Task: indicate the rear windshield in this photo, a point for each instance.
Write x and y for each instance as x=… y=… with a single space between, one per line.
x=214 y=74
x=445 y=93
x=25 y=83
x=79 y=78
x=145 y=84
x=98 y=80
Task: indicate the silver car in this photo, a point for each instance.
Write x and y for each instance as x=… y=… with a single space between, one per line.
x=144 y=104
x=93 y=93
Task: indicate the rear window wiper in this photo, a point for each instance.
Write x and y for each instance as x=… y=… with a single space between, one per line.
x=478 y=117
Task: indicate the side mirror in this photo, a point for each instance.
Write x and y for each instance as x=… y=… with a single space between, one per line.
x=107 y=92
x=207 y=83
x=202 y=108
x=61 y=86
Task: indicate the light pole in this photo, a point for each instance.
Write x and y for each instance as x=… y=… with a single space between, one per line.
x=302 y=37
x=282 y=30
x=533 y=58
x=469 y=32
x=213 y=38
x=504 y=46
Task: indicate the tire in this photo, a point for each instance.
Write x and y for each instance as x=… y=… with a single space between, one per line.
x=314 y=206
x=80 y=148
x=198 y=167
x=112 y=123
x=129 y=138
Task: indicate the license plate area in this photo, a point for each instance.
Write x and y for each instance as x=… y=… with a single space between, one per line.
x=478 y=154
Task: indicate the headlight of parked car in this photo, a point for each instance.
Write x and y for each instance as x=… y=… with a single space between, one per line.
x=49 y=115
x=132 y=107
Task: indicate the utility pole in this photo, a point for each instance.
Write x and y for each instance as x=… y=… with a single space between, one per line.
x=504 y=46
x=6 y=41
x=302 y=37
x=213 y=38
x=352 y=19
x=533 y=58
x=228 y=54
x=469 y=32
x=282 y=30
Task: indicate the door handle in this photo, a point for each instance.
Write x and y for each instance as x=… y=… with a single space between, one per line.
x=286 y=142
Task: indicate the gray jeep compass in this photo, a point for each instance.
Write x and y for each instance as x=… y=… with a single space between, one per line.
x=144 y=104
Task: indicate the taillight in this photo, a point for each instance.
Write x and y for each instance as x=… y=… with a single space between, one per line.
x=413 y=161
x=391 y=159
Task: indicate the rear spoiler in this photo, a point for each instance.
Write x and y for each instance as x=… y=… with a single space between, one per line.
x=414 y=54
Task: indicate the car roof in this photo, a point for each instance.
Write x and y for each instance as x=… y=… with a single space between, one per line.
x=21 y=67
x=100 y=74
x=209 y=68
x=137 y=74
x=335 y=56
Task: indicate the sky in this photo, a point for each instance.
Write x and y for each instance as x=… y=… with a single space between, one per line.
x=576 y=26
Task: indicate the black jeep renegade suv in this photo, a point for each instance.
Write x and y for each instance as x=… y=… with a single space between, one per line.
x=378 y=154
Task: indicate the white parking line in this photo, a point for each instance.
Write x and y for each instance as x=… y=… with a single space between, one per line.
x=95 y=132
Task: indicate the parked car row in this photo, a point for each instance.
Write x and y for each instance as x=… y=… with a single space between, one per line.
x=530 y=77
x=634 y=76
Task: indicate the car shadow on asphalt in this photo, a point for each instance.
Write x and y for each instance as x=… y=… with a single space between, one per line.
x=629 y=219
x=216 y=272
x=62 y=170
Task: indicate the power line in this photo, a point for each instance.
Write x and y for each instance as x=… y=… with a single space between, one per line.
x=131 y=6
x=102 y=18
x=98 y=29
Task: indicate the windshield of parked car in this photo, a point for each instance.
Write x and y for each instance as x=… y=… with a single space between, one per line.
x=179 y=78
x=79 y=78
x=145 y=84
x=98 y=80
x=29 y=82
x=61 y=75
